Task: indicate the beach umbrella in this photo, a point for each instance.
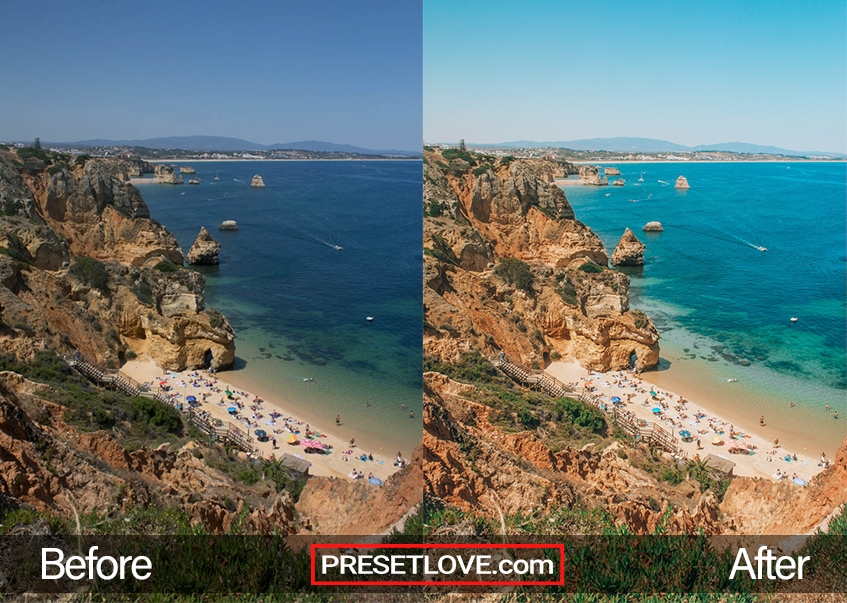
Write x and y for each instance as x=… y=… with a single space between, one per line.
x=232 y=410
x=684 y=434
x=615 y=399
x=292 y=439
x=261 y=433
x=190 y=399
x=717 y=440
x=652 y=393
x=656 y=410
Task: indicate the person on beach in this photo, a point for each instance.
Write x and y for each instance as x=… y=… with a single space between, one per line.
x=776 y=442
x=762 y=421
x=337 y=420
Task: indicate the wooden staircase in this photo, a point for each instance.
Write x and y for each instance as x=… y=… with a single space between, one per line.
x=651 y=433
x=112 y=379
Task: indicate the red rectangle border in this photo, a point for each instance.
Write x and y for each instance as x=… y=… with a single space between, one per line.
x=558 y=547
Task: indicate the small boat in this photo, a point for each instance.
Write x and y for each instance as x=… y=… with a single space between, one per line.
x=308 y=379
x=760 y=248
x=794 y=319
x=641 y=179
x=369 y=318
x=337 y=247
x=216 y=178
x=733 y=380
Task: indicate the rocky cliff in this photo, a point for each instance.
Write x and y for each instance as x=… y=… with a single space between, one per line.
x=508 y=267
x=629 y=251
x=82 y=266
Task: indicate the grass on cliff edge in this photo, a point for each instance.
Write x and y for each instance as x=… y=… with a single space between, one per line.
x=135 y=422
x=559 y=423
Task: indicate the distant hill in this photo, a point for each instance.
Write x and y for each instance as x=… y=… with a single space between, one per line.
x=624 y=144
x=227 y=144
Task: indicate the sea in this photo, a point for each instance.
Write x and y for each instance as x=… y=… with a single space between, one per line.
x=747 y=248
x=324 y=246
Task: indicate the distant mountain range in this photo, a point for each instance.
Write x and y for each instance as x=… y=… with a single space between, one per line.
x=224 y=143
x=625 y=144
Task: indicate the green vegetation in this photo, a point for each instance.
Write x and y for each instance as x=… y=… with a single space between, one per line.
x=515 y=272
x=582 y=415
x=166 y=266
x=143 y=291
x=216 y=319
x=482 y=169
x=453 y=154
x=641 y=319
x=591 y=268
x=136 y=421
x=567 y=291
x=91 y=271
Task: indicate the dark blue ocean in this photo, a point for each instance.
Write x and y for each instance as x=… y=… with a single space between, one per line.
x=297 y=304
x=722 y=306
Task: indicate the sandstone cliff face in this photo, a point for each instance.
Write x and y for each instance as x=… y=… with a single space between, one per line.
x=472 y=464
x=135 y=296
x=476 y=217
x=630 y=251
x=205 y=250
x=47 y=465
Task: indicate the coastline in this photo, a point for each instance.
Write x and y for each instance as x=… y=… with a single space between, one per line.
x=326 y=465
x=722 y=416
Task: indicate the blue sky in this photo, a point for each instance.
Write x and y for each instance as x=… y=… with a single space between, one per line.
x=767 y=72
x=334 y=70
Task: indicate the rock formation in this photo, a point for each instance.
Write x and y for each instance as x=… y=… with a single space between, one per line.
x=611 y=171
x=165 y=174
x=84 y=267
x=590 y=174
x=257 y=182
x=681 y=183
x=629 y=252
x=653 y=227
x=187 y=169
x=228 y=225
x=205 y=250
x=619 y=182
x=576 y=307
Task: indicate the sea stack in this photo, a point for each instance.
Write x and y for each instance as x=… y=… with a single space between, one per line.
x=681 y=183
x=612 y=171
x=205 y=250
x=619 y=182
x=590 y=174
x=629 y=252
x=653 y=227
x=257 y=182
x=228 y=225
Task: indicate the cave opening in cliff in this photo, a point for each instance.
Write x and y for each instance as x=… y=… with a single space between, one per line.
x=633 y=360
x=207 y=359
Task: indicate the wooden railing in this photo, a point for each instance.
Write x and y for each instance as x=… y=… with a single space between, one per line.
x=113 y=379
x=652 y=434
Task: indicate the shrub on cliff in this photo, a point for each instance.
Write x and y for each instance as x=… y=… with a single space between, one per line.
x=591 y=268
x=515 y=272
x=91 y=271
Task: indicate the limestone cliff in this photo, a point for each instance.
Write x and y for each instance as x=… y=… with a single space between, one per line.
x=82 y=266
x=205 y=250
x=682 y=183
x=257 y=182
x=629 y=251
x=575 y=307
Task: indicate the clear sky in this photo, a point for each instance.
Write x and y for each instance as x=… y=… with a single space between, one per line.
x=267 y=71
x=770 y=72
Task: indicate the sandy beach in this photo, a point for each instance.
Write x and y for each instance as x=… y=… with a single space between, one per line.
x=252 y=413
x=703 y=422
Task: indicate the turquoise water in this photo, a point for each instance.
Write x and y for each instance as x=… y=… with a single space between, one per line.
x=297 y=304
x=720 y=302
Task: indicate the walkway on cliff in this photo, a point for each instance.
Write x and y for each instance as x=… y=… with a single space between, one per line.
x=229 y=434
x=652 y=434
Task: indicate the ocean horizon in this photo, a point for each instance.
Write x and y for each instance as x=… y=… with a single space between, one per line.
x=321 y=248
